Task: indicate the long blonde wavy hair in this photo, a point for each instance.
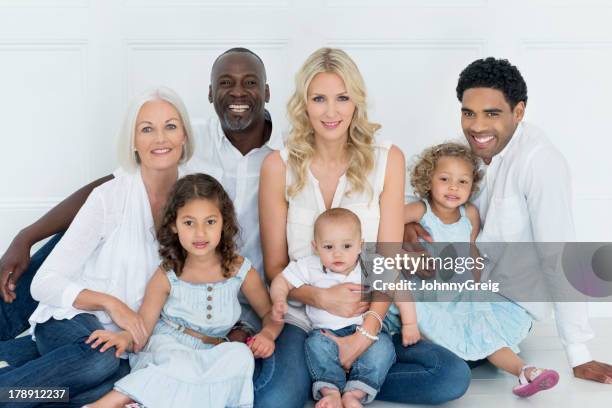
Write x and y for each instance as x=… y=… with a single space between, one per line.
x=301 y=141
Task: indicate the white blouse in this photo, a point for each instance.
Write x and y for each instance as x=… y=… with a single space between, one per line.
x=307 y=204
x=110 y=247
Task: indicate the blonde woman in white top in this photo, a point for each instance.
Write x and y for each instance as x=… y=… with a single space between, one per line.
x=333 y=160
x=95 y=278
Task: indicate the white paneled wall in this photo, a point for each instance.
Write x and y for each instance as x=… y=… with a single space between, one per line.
x=68 y=68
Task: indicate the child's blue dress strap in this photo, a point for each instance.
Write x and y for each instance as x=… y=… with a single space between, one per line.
x=429 y=217
x=171 y=275
x=244 y=269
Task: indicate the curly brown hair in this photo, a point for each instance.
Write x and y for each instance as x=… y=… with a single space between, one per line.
x=422 y=171
x=197 y=186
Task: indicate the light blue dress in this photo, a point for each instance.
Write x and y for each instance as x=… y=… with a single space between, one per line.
x=472 y=330
x=178 y=370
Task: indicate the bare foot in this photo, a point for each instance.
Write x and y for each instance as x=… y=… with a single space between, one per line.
x=352 y=399
x=331 y=399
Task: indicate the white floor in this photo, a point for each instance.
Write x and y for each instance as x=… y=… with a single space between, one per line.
x=492 y=388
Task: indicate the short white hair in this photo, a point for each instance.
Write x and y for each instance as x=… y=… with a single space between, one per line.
x=128 y=159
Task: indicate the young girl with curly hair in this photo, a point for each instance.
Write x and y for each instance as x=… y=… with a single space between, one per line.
x=190 y=305
x=445 y=177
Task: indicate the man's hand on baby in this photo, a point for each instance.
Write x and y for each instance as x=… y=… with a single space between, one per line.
x=279 y=310
x=262 y=345
x=410 y=334
x=122 y=341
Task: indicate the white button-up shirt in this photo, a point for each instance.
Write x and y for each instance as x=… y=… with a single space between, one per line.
x=239 y=175
x=110 y=247
x=309 y=271
x=526 y=197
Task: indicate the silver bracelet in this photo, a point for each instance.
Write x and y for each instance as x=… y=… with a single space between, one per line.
x=365 y=333
x=376 y=315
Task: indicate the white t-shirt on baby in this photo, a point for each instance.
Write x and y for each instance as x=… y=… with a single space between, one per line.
x=310 y=271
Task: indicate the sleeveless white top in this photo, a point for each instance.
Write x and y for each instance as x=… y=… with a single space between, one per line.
x=305 y=206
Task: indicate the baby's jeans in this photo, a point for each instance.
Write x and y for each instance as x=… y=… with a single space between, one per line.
x=367 y=373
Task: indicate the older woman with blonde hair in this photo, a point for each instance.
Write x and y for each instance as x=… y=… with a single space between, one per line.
x=95 y=278
x=332 y=159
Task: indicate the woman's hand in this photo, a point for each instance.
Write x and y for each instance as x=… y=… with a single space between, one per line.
x=130 y=321
x=349 y=347
x=262 y=344
x=344 y=300
x=122 y=341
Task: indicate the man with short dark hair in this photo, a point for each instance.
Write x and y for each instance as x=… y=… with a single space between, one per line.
x=525 y=195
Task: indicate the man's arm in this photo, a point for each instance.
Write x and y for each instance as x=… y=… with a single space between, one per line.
x=548 y=191
x=17 y=256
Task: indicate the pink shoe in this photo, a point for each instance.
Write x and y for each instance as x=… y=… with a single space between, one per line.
x=539 y=380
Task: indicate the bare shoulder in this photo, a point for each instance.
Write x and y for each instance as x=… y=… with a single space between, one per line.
x=237 y=265
x=273 y=164
x=395 y=156
x=472 y=212
x=396 y=166
x=252 y=274
x=272 y=179
x=252 y=279
x=160 y=279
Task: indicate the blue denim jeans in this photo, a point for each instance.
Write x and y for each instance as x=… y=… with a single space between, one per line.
x=60 y=358
x=367 y=372
x=425 y=373
x=14 y=316
x=282 y=380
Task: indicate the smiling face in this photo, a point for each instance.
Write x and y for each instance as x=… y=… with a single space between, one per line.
x=487 y=120
x=238 y=90
x=338 y=244
x=329 y=107
x=451 y=182
x=199 y=225
x=159 y=135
